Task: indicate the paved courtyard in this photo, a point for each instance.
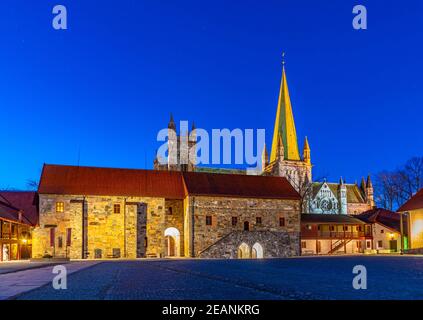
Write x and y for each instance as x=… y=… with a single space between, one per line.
x=393 y=277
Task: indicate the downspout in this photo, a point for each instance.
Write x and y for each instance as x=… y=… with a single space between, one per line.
x=124 y=228
x=83 y=229
x=192 y=227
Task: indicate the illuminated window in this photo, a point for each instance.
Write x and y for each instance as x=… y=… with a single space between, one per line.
x=208 y=220
x=281 y=222
x=116 y=208
x=234 y=221
x=60 y=206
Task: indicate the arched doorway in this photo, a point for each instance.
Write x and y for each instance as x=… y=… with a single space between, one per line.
x=257 y=251
x=172 y=236
x=246 y=226
x=244 y=251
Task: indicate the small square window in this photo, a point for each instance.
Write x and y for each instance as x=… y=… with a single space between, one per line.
x=258 y=220
x=60 y=206
x=308 y=227
x=382 y=231
x=234 y=221
x=116 y=208
x=281 y=222
x=208 y=220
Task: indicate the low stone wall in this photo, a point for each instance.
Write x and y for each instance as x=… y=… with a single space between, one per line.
x=414 y=251
x=275 y=244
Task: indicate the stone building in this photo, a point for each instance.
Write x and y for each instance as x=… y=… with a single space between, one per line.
x=340 y=198
x=89 y=212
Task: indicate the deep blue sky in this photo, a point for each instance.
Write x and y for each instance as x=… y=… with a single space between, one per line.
x=107 y=84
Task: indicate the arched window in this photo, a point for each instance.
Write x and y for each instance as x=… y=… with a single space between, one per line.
x=257 y=251
x=244 y=251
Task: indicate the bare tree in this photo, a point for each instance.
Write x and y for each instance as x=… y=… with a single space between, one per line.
x=32 y=185
x=393 y=188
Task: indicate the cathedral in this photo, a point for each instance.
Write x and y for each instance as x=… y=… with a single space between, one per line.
x=180 y=209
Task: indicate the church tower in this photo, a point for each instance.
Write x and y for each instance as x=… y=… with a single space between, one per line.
x=285 y=160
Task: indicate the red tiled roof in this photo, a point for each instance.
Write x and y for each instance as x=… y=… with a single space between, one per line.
x=58 y=179
x=26 y=201
x=385 y=217
x=8 y=212
x=237 y=185
x=415 y=202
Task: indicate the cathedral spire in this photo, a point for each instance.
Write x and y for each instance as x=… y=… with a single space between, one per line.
x=306 y=152
x=264 y=158
x=171 y=124
x=284 y=124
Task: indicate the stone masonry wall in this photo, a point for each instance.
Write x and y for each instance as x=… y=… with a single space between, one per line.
x=222 y=209
x=105 y=230
x=274 y=243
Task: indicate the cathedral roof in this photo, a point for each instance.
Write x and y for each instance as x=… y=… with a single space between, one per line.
x=73 y=180
x=353 y=192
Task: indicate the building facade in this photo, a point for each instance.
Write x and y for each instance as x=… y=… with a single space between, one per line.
x=88 y=212
x=16 y=225
x=413 y=210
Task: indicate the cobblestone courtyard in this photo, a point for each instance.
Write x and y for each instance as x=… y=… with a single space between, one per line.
x=297 y=278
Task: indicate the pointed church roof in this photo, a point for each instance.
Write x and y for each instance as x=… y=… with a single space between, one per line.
x=285 y=125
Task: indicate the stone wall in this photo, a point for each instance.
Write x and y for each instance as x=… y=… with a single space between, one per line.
x=222 y=209
x=141 y=221
x=274 y=243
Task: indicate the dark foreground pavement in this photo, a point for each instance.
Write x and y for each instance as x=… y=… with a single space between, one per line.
x=298 y=278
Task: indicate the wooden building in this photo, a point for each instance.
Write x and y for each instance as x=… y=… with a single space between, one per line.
x=328 y=234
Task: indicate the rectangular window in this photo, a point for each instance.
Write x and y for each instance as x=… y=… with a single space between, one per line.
x=116 y=208
x=303 y=245
x=234 y=221
x=258 y=220
x=382 y=231
x=208 y=220
x=368 y=244
x=60 y=242
x=281 y=222
x=380 y=244
x=60 y=206
x=169 y=211
x=68 y=237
